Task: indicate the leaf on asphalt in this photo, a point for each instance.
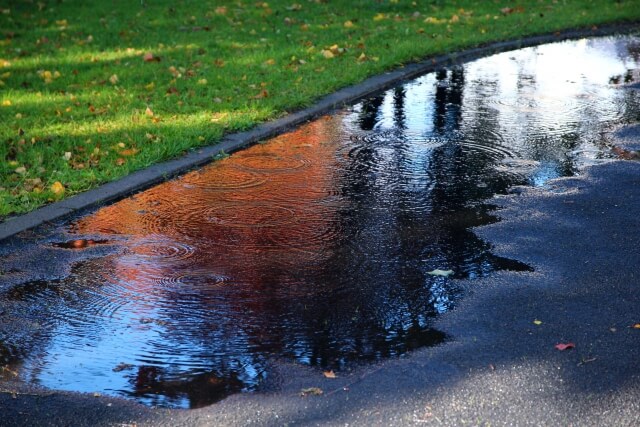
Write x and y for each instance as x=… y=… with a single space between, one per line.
x=537 y=322
x=441 y=273
x=311 y=391
x=329 y=374
x=636 y=326
x=565 y=346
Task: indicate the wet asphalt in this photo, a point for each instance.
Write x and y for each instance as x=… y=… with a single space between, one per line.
x=499 y=367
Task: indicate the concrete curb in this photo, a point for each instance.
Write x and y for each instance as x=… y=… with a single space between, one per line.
x=156 y=174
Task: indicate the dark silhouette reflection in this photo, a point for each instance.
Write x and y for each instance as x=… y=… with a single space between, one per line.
x=448 y=100
x=195 y=391
x=369 y=113
x=331 y=244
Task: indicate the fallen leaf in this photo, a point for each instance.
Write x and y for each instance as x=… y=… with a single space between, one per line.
x=442 y=273
x=327 y=54
x=114 y=79
x=311 y=391
x=150 y=57
x=57 y=188
x=348 y=24
x=636 y=326
x=537 y=322
x=565 y=346
x=129 y=152
x=123 y=367
x=329 y=374
x=263 y=94
x=149 y=112
x=21 y=170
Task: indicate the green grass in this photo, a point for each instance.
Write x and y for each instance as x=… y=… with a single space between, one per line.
x=80 y=105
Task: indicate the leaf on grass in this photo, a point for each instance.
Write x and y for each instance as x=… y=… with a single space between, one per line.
x=129 y=152
x=114 y=79
x=150 y=57
x=57 y=188
x=148 y=112
x=327 y=53
x=263 y=94
x=565 y=346
x=311 y=391
x=441 y=273
x=329 y=374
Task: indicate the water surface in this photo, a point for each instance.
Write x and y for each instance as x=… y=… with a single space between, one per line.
x=322 y=245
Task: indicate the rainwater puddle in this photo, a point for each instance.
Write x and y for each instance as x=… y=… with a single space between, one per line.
x=327 y=245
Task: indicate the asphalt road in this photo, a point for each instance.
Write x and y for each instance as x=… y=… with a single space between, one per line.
x=500 y=367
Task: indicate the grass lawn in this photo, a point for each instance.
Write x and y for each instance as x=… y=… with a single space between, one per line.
x=93 y=90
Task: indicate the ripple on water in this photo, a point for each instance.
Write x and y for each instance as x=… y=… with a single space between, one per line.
x=159 y=247
x=271 y=162
x=223 y=178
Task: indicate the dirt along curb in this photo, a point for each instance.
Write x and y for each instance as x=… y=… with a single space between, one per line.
x=156 y=174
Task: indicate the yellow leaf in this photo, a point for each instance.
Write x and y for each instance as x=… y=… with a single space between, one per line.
x=150 y=86
x=270 y=61
x=348 y=24
x=636 y=326
x=537 y=322
x=21 y=170
x=327 y=54
x=379 y=17
x=148 y=112
x=329 y=374
x=113 y=79
x=57 y=188
x=202 y=81
x=6 y=103
x=311 y=391
x=362 y=57
x=454 y=19
x=441 y=273
x=129 y=152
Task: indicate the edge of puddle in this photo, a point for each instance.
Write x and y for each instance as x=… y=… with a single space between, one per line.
x=158 y=173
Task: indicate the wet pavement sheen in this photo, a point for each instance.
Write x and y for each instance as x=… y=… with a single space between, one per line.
x=327 y=245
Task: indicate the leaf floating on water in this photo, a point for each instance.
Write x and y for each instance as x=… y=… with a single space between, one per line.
x=565 y=346
x=311 y=391
x=123 y=367
x=442 y=273
x=329 y=374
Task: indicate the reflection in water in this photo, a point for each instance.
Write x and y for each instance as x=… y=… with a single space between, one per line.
x=318 y=244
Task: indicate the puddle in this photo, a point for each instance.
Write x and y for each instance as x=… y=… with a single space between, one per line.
x=318 y=246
